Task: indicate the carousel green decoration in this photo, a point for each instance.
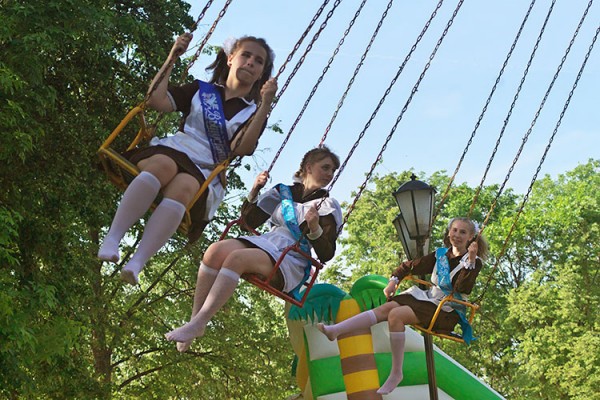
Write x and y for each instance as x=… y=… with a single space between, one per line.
x=368 y=291
x=322 y=303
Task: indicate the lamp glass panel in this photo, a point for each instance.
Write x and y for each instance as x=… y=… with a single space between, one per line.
x=425 y=246
x=416 y=207
x=409 y=245
x=405 y=203
x=423 y=209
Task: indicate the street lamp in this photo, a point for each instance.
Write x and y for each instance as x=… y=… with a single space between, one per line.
x=410 y=246
x=415 y=200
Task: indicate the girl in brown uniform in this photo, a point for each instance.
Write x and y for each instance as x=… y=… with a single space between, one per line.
x=452 y=268
x=238 y=97
x=300 y=212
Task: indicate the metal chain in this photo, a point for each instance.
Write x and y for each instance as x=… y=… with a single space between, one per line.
x=201 y=15
x=485 y=107
x=206 y=37
x=386 y=93
x=293 y=73
x=298 y=64
x=172 y=61
x=236 y=163
x=512 y=106
x=526 y=197
x=537 y=114
x=320 y=79
x=302 y=37
x=356 y=70
x=393 y=130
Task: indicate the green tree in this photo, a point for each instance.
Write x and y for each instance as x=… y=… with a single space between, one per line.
x=537 y=323
x=69 y=71
x=554 y=312
x=369 y=243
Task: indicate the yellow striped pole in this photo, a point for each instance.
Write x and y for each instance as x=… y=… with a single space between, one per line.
x=357 y=358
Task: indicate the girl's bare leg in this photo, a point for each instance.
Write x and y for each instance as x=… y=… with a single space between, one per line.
x=355 y=323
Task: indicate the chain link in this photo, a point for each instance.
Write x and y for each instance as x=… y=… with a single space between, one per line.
x=236 y=161
x=319 y=80
x=462 y=157
x=512 y=106
x=383 y=98
x=543 y=158
x=400 y=116
x=206 y=37
x=295 y=70
x=537 y=114
x=172 y=61
x=302 y=37
x=201 y=15
x=356 y=70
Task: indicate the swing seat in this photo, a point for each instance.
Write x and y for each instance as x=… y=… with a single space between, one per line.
x=265 y=283
x=448 y=299
x=121 y=171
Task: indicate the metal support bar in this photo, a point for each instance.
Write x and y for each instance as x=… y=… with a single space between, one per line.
x=428 y=340
x=433 y=392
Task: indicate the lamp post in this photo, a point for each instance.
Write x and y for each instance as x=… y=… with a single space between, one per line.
x=415 y=200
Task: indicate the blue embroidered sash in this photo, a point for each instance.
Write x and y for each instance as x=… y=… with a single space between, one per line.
x=445 y=283
x=291 y=220
x=214 y=121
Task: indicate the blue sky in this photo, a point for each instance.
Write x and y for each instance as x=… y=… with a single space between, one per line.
x=438 y=122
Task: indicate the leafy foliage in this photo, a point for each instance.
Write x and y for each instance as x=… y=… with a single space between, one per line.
x=537 y=325
x=69 y=71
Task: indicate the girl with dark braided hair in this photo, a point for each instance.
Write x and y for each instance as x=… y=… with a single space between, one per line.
x=301 y=212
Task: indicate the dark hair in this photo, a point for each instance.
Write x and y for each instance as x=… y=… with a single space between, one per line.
x=315 y=155
x=221 y=69
x=482 y=244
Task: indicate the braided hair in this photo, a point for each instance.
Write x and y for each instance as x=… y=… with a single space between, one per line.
x=312 y=156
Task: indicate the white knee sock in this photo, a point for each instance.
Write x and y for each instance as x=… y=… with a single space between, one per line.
x=223 y=288
x=136 y=200
x=359 y=321
x=397 y=340
x=160 y=227
x=205 y=280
